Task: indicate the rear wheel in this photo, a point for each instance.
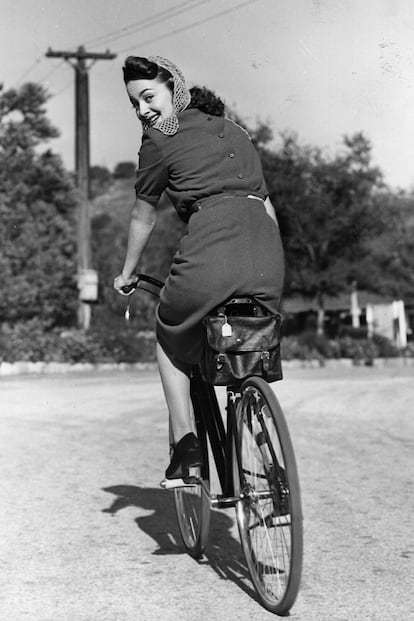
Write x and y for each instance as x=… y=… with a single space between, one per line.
x=269 y=514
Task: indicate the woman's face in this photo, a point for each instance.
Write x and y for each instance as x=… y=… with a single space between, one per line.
x=151 y=99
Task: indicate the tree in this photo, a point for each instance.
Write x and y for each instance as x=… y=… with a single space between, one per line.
x=110 y=230
x=100 y=180
x=37 y=228
x=125 y=170
x=328 y=209
x=392 y=252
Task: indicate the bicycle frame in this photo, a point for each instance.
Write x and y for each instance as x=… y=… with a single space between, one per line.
x=209 y=422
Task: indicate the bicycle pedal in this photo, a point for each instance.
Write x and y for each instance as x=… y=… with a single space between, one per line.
x=175 y=483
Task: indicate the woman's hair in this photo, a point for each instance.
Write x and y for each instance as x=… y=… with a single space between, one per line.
x=139 y=68
x=206 y=101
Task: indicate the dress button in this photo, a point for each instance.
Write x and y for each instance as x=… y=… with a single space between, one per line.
x=221 y=135
x=240 y=176
x=209 y=118
x=231 y=155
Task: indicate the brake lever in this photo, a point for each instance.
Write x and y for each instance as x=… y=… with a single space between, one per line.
x=129 y=288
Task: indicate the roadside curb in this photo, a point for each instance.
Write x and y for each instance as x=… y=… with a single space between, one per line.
x=46 y=368
x=43 y=368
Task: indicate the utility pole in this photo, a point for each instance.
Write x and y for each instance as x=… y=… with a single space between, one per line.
x=87 y=278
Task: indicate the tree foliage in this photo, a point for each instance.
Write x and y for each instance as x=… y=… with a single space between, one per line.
x=125 y=170
x=392 y=253
x=329 y=208
x=100 y=180
x=339 y=222
x=110 y=227
x=37 y=232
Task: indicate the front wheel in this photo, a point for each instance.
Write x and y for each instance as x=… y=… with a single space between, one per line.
x=192 y=506
x=192 y=503
x=269 y=513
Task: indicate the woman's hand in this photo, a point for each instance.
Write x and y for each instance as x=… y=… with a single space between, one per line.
x=120 y=282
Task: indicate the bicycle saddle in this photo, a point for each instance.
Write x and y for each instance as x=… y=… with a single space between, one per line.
x=240 y=306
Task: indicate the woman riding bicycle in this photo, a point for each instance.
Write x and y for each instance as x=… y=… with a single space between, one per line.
x=212 y=174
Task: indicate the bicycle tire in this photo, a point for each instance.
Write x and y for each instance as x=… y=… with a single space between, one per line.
x=192 y=506
x=192 y=503
x=269 y=513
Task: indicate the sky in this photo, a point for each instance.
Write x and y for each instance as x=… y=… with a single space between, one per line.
x=320 y=68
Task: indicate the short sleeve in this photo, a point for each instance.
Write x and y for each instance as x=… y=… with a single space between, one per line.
x=152 y=174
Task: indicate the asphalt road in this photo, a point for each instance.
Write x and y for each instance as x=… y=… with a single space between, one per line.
x=87 y=534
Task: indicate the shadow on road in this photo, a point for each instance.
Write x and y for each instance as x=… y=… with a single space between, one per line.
x=223 y=553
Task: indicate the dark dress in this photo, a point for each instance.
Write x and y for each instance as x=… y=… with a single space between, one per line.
x=232 y=247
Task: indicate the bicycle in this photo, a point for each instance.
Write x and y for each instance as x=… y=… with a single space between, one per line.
x=256 y=468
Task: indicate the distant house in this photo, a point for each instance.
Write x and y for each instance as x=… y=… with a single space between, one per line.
x=362 y=309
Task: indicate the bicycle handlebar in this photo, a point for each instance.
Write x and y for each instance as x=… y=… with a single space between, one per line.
x=144 y=278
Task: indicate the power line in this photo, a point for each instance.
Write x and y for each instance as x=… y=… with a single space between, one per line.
x=136 y=26
x=62 y=90
x=32 y=66
x=27 y=71
x=49 y=73
x=161 y=16
x=120 y=33
x=45 y=77
x=193 y=24
x=139 y=25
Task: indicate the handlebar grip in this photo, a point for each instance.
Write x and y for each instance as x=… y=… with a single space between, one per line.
x=151 y=280
x=130 y=288
x=156 y=285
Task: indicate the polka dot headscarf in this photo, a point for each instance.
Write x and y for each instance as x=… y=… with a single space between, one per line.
x=181 y=97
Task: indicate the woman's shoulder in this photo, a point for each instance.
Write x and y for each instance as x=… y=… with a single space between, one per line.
x=194 y=120
x=235 y=126
x=191 y=115
x=191 y=118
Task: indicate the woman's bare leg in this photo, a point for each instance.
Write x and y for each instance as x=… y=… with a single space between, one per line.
x=176 y=385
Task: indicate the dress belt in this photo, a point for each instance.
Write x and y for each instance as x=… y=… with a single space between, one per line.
x=204 y=203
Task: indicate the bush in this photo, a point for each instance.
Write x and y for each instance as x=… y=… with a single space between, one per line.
x=354 y=333
x=409 y=350
x=309 y=345
x=291 y=349
x=386 y=348
x=27 y=341
x=360 y=350
x=77 y=346
x=125 y=170
x=367 y=349
x=31 y=342
x=126 y=344
x=319 y=344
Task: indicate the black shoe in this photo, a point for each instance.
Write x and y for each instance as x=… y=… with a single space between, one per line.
x=186 y=454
